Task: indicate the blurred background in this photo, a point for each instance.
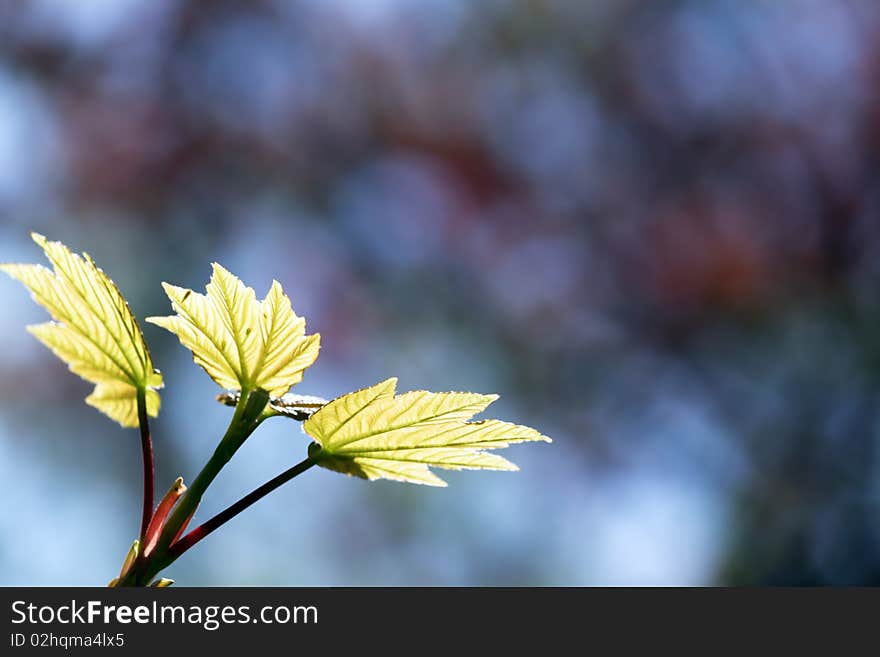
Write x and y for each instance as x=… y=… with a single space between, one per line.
x=653 y=228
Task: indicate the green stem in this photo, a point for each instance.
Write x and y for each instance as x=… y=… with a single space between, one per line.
x=245 y=419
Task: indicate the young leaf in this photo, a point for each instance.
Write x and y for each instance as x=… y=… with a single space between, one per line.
x=296 y=407
x=374 y=434
x=94 y=331
x=240 y=342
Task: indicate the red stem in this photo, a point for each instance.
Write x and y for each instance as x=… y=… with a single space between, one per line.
x=233 y=510
x=149 y=467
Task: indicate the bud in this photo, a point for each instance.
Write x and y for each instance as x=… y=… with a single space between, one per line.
x=157 y=524
x=129 y=560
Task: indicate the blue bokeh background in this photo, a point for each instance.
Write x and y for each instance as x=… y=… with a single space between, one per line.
x=653 y=228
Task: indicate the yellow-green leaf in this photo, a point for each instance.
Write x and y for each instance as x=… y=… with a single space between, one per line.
x=240 y=342
x=374 y=434
x=93 y=331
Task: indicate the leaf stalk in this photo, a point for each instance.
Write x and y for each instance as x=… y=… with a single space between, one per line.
x=244 y=420
x=149 y=463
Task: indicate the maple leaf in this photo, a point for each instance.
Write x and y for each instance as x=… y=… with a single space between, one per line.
x=94 y=330
x=242 y=343
x=373 y=434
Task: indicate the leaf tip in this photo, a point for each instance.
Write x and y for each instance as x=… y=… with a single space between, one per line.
x=171 y=290
x=160 y=321
x=540 y=437
x=37 y=329
x=220 y=270
x=39 y=239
